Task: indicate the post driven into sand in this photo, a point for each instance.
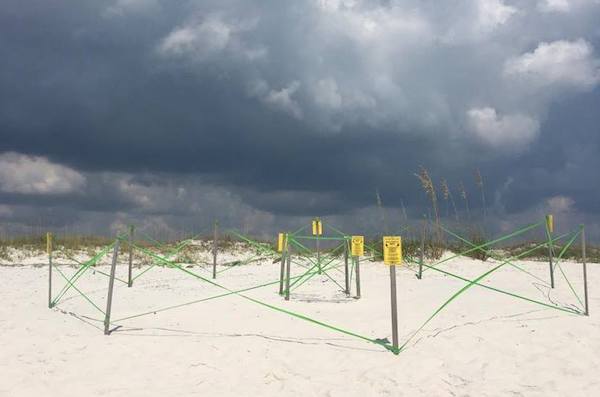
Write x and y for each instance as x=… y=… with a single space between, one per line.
x=346 y=268
x=49 y=249
x=111 y=284
x=584 y=260
x=129 y=270
x=357 y=268
x=549 y=229
x=394 y=306
x=283 y=259
x=422 y=253
x=287 y=275
x=215 y=244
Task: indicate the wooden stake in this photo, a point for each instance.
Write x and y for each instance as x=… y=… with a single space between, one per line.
x=111 y=284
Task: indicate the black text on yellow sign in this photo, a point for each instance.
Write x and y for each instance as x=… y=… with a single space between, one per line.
x=317 y=227
x=550 y=223
x=358 y=245
x=392 y=250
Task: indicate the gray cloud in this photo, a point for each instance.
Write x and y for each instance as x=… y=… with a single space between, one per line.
x=275 y=111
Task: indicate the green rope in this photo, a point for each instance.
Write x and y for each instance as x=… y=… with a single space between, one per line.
x=95 y=270
x=255 y=244
x=276 y=308
x=81 y=271
x=293 y=241
x=469 y=284
x=562 y=252
x=488 y=252
x=78 y=290
x=271 y=283
x=173 y=251
x=488 y=243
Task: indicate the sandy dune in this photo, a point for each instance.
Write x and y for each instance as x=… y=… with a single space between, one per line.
x=481 y=344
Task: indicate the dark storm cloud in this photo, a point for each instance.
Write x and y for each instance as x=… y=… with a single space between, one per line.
x=300 y=108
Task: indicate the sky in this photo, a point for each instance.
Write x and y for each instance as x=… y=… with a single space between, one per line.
x=263 y=114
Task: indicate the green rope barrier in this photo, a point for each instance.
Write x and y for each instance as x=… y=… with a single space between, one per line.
x=293 y=241
x=319 y=238
x=276 y=308
x=95 y=270
x=81 y=271
x=173 y=251
x=488 y=243
x=254 y=243
x=488 y=252
x=78 y=290
x=299 y=230
x=466 y=287
x=271 y=283
x=562 y=252
x=337 y=231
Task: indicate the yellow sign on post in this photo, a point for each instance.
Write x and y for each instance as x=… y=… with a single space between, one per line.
x=280 y=242
x=392 y=250
x=49 y=243
x=550 y=223
x=317 y=227
x=358 y=245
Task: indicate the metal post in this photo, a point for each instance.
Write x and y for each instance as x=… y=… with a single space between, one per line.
x=584 y=260
x=129 y=277
x=111 y=284
x=287 y=276
x=550 y=258
x=49 y=249
x=346 y=269
x=357 y=259
x=318 y=255
x=394 y=306
x=422 y=259
x=215 y=239
x=282 y=270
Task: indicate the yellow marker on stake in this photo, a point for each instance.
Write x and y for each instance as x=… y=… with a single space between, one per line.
x=317 y=227
x=280 y=239
x=49 y=243
x=358 y=245
x=392 y=250
x=550 y=223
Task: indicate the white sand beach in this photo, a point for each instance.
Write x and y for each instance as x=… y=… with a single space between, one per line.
x=482 y=344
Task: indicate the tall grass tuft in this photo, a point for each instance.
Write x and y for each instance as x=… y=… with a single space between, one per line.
x=447 y=194
x=429 y=188
x=479 y=183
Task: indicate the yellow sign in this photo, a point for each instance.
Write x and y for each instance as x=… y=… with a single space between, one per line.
x=550 y=223
x=280 y=242
x=392 y=250
x=317 y=227
x=358 y=245
x=49 y=243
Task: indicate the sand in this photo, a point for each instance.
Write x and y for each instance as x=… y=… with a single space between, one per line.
x=482 y=344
